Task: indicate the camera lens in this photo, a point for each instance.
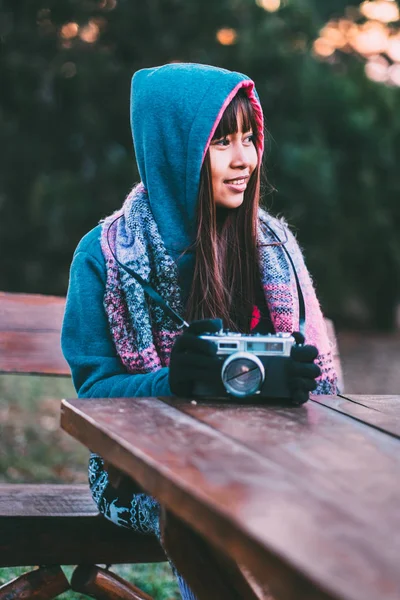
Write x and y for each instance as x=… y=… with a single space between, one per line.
x=243 y=374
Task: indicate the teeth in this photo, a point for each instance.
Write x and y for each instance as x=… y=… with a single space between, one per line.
x=237 y=181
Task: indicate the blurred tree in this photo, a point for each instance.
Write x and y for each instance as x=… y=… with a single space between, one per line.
x=65 y=68
x=329 y=8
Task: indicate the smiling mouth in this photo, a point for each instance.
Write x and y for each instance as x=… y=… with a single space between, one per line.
x=236 y=186
x=238 y=181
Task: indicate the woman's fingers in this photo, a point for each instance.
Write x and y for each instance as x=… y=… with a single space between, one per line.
x=304 y=354
x=194 y=344
x=310 y=370
x=205 y=326
x=200 y=362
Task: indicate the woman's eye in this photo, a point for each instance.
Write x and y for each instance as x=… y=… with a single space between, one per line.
x=221 y=142
x=250 y=138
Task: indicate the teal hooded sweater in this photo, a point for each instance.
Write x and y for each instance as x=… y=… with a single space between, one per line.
x=174 y=110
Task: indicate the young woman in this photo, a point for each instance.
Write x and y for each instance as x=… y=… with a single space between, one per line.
x=194 y=230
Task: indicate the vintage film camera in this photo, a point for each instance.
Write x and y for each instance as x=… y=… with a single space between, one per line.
x=251 y=365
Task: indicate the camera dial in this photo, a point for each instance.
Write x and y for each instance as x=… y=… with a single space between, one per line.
x=243 y=374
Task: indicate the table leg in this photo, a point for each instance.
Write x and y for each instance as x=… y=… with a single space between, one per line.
x=210 y=574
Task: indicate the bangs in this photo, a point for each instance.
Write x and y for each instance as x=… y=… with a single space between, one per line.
x=240 y=105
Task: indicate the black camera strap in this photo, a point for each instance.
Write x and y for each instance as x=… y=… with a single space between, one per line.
x=174 y=315
x=302 y=306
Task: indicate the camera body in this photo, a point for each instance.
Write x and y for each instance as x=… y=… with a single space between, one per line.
x=251 y=366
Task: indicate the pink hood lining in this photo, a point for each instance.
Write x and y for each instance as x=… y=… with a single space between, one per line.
x=248 y=85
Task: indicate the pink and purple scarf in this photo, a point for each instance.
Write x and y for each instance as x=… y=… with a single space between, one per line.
x=144 y=335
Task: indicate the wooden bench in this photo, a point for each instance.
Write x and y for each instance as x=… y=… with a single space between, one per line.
x=43 y=524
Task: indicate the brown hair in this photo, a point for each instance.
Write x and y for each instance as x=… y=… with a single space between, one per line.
x=226 y=274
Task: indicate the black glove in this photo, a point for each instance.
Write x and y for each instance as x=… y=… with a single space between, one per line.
x=193 y=359
x=302 y=370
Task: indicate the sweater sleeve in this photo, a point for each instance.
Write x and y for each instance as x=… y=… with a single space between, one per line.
x=86 y=340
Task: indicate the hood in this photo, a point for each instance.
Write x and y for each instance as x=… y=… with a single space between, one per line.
x=175 y=110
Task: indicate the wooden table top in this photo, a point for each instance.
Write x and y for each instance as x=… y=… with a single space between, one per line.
x=307 y=498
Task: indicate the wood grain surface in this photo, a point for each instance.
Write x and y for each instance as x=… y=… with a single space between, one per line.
x=307 y=499
x=30 y=329
x=380 y=412
x=388 y=405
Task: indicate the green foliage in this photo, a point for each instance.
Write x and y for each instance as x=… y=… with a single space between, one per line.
x=30 y=426
x=64 y=125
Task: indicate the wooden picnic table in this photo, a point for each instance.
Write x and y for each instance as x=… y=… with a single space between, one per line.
x=306 y=499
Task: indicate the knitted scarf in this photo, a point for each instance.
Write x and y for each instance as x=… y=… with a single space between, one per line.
x=144 y=335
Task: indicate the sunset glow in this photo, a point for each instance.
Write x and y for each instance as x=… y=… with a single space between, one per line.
x=370 y=31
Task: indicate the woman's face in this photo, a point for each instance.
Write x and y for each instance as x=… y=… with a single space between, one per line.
x=233 y=159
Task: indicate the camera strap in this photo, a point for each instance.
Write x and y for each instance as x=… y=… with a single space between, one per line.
x=302 y=307
x=174 y=315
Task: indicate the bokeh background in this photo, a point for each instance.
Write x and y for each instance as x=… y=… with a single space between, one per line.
x=328 y=76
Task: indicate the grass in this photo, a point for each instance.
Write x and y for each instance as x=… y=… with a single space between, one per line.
x=157 y=580
x=33 y=449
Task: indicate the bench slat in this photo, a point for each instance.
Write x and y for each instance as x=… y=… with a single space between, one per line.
x=33 y=353
x=60 y=524
x=30 y=328
x=31 y=312
x=51 y=500
x=29 y=541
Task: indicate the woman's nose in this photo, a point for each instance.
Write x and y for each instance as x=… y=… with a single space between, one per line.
x=240 y=156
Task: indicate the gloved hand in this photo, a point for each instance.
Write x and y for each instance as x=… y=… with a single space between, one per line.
x=193 y=359
x=302 y=369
